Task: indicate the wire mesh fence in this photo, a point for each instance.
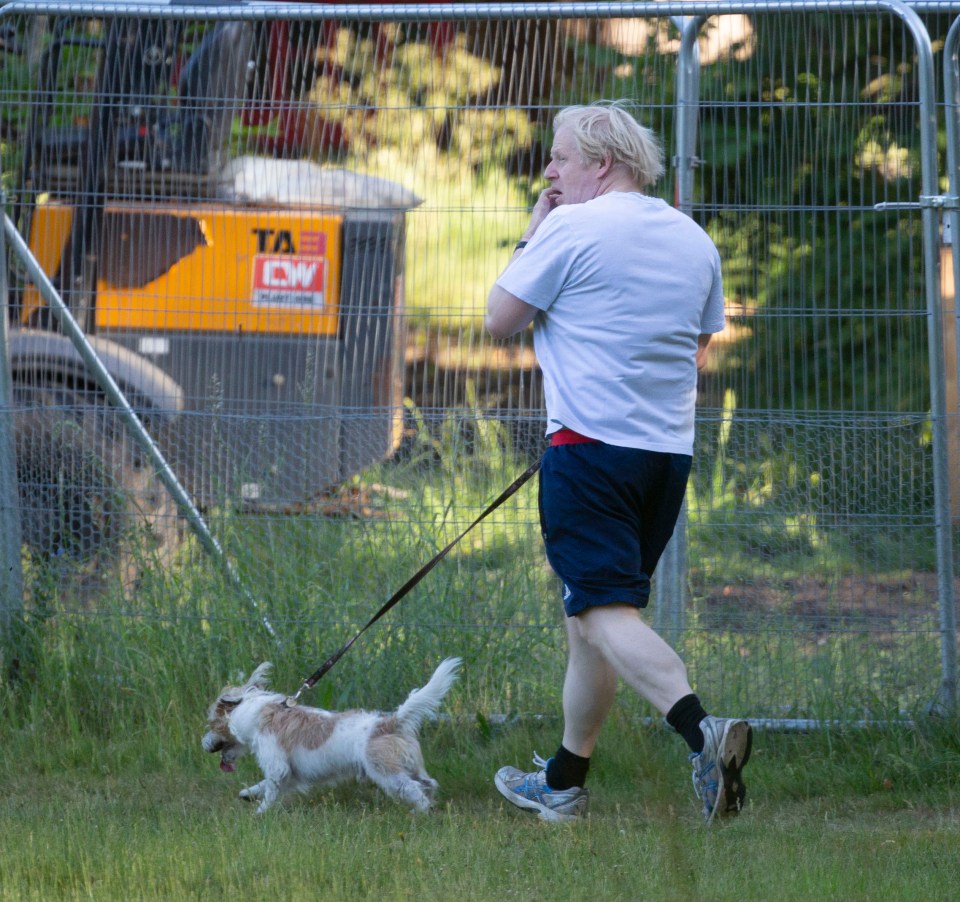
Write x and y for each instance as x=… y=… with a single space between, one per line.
x=278 y=231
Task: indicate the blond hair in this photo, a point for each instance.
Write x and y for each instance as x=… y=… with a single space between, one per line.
x=605 y=127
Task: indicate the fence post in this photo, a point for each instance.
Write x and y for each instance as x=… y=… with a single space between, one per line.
x=671 y=582
x=951 y=76
x=11 y=574
x=947 y=695
x=930 y=203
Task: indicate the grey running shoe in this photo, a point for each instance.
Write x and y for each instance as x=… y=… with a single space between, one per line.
x=530 y=791
x=716 y=770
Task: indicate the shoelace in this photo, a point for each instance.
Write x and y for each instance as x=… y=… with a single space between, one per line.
x=536 y=783
x=701 y=785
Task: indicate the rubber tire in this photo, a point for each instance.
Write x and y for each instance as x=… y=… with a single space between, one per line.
x=91 y=509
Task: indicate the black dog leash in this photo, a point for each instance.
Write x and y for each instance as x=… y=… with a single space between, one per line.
x=314 y=678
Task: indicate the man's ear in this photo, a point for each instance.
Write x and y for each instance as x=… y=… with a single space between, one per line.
x=605 y=165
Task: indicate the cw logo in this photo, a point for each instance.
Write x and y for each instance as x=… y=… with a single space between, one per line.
x=287 y=273
x=289 y=280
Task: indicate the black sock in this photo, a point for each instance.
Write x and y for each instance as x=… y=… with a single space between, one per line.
x=566 y=770
x=685 y=717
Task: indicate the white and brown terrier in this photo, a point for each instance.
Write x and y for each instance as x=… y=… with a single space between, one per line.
x=298 y=747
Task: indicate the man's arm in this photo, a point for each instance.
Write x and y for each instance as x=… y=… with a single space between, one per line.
x=507 y=314
x=702 y=342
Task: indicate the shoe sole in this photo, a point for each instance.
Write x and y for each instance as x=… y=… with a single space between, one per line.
x=735 y=745
x=547 y=814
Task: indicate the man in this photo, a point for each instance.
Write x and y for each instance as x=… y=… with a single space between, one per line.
x=624 y=293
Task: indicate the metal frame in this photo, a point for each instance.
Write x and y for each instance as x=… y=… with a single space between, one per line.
x=688 y=16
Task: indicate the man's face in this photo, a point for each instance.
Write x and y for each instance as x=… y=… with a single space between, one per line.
x=571 y=180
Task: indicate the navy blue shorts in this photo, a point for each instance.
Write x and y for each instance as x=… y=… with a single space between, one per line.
x=606 y=514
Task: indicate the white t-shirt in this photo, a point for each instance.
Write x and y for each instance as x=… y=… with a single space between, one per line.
x=626 y=284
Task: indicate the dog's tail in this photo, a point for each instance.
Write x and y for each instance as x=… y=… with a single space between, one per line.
x=423 y=703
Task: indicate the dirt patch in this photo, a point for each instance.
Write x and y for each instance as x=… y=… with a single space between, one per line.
x=878 y=605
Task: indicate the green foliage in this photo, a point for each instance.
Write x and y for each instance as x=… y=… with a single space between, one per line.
x=21 y=73
x=121 y=686
x=813 y=252
x=417 y=99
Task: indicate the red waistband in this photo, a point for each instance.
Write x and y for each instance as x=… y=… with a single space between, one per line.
x=569 y=437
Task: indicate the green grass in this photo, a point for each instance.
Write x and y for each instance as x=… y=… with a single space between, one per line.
x=108 y=795
x=146 y=814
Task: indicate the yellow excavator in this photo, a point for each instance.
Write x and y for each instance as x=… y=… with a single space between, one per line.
x=248 y=307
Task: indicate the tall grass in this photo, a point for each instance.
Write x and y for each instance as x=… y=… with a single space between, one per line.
x=492 y=600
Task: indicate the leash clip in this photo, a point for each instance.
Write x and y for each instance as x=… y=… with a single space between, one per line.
x=291 y=701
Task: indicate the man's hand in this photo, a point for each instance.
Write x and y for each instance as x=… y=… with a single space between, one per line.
x=546 y=202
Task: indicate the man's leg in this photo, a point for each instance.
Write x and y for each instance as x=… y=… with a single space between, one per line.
x=589 y=688
x=643 y=660
x=605 y=641
x=652 y=668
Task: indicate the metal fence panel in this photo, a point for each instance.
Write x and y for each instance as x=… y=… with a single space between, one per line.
x=281 y=232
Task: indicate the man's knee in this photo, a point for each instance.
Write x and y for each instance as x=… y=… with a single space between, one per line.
x=596 y=625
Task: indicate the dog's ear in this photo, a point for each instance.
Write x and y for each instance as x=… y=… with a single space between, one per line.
x=258 y=679
x=229 y=700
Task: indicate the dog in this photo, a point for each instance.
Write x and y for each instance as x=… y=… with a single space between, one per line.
x=298 y=747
